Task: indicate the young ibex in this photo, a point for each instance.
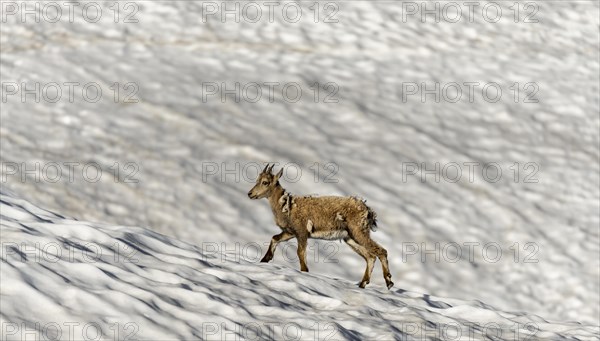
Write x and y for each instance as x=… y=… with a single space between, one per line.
x=330 y=217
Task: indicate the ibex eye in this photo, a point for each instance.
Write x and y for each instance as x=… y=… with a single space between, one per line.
x=265 y=182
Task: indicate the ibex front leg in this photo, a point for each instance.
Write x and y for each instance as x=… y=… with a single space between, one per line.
x=302 y=241
x=282 y=237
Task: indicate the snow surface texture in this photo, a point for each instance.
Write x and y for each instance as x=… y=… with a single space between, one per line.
x=133 y=283
x=171 y=135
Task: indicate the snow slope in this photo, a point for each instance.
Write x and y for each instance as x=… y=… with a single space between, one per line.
x=131 y=283
x=171 y=136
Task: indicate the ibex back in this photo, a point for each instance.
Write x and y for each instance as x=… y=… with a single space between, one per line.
x=328 y=217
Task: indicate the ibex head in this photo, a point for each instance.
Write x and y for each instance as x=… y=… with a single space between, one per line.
x=265 y=183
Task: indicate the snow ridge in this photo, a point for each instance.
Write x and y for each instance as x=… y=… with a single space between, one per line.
x=68 y=279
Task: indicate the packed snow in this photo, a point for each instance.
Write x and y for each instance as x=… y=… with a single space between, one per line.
x=175 y=153
x=76 y=280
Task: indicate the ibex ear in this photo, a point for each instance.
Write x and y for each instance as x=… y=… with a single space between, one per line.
x=278 y=175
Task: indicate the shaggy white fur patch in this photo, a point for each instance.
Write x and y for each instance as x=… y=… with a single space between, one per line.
x=309 y=226
x=329 y=235
x=286 y=201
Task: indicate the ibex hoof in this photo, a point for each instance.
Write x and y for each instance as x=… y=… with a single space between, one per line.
x=362 y=285
x=390 y=284
x=265 y=260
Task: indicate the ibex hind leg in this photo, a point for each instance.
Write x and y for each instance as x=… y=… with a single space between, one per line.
x=381 y=253
x=368 y=257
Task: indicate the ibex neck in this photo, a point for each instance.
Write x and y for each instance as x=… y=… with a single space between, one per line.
x=275 y=196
